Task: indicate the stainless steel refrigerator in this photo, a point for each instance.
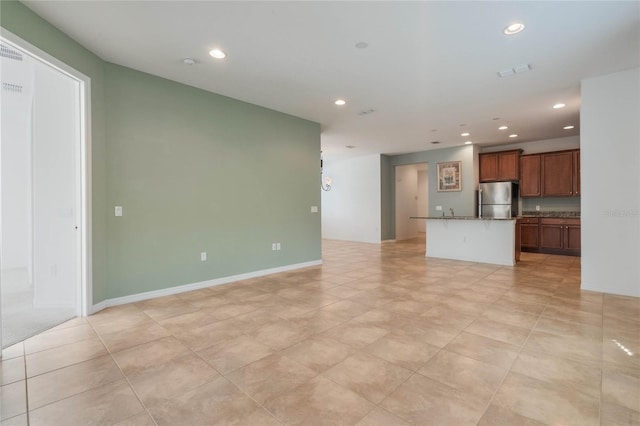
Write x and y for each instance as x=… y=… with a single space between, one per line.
x=498 y=200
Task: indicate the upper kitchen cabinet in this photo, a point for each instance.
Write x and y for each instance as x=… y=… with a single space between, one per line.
x=530 y=175
x=500 y=166
x=550 y=174
x=560 y=174
x=576 y=172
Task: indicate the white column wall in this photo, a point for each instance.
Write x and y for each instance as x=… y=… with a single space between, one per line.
x=351 y=210
x=610 y=183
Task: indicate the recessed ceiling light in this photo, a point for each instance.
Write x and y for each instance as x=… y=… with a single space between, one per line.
x=468 y=143
x=367 y=111
x=514 y=28
x=217 y=53
x=559 y=105
x=188 y=61
x=465 y=134
x=362 y=45
x=502 y=128
x=350 y=146
x=568 y=127
x=513 y=136
x=435 y=142
x=496 y=118
x=340 y=102
x=434 y=130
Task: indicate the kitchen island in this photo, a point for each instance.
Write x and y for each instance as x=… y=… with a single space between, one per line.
x=473 y=239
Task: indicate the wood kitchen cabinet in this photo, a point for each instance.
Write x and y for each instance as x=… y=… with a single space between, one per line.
x=560 y=235
x=576 y=173
x=530 y=176
x=500 y=166
x=559 y=174
x=550 y=174
x=529 y=231
x=488 y=167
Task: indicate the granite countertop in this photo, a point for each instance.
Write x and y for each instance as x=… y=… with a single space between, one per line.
x=550 y=214
x=460 y=218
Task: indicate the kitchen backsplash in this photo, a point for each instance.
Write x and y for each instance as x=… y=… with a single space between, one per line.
x=549 y=214
x=551 y=204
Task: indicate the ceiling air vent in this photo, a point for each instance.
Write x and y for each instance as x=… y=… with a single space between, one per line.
x=7 y=52
x=11 y=87
x=518 y=69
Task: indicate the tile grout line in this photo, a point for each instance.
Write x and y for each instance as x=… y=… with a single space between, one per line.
x=194 y=352
x=125 y=378
x=511 y=366
x=26 y=384
x=508 y=370
x=601 y=365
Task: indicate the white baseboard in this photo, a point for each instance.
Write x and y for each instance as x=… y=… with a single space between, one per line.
x=197 y=286
x=98 y=307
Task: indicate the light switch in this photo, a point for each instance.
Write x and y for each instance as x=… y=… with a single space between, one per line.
x=438 y=207
x=314 y=209
x=118 y=210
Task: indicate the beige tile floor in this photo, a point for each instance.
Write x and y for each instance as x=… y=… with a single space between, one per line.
x=378 y=335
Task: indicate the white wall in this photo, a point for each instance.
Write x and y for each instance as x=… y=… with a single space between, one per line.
x=351 y=210
x=485 y=241
x=406 y=202
x=610 y=183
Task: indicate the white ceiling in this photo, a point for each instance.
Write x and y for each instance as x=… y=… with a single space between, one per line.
x=429 y=70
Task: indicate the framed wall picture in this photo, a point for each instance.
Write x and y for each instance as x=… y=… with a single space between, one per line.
x=449 y=176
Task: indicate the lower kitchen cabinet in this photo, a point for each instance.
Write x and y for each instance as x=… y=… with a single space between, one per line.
x=550 y=235
x=560 y=236
x=529 y=233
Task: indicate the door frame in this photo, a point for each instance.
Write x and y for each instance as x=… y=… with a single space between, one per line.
x=84 y=270
x=395 y=192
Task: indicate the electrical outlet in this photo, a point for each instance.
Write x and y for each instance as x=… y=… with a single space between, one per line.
x=438 y=208
x=278 y=246
x=118 y=211
x=274 y=246
x=537 y=208
x=314 y=209
x=203 y=256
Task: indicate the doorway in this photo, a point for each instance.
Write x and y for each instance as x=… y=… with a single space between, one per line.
x=411 y=200
x=43 y=214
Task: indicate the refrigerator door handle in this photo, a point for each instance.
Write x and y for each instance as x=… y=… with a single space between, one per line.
x=480 y=203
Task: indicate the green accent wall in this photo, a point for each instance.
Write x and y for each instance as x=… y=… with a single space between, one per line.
x=463 y=202
x=194 y=171
x=198 y=172
x=387 y=182
x=551 y=204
